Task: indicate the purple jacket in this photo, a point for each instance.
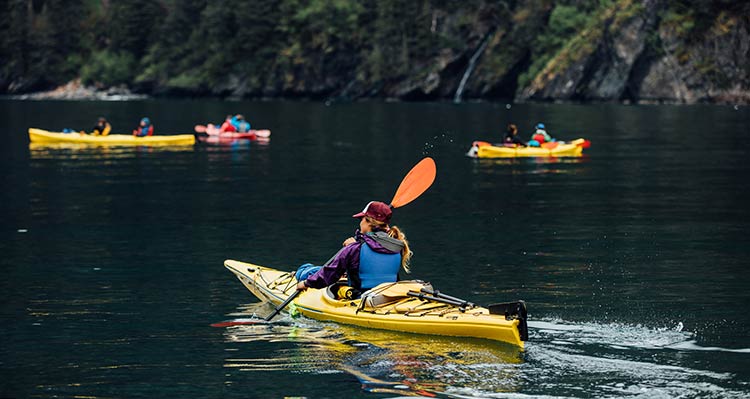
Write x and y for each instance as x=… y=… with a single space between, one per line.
x=347 y=261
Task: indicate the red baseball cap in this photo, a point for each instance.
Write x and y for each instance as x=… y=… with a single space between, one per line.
x=377 y=210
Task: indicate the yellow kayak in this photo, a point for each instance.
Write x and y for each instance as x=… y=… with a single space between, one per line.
x=482 y=149
x=43 y=136
x=408 y=306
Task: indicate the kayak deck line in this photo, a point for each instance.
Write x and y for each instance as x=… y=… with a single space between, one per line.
x=389 y=307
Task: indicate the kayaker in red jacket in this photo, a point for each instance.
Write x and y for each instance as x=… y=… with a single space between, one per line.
x=227 y=126
x=540 y=136
x=373 y=256
x=145 y=128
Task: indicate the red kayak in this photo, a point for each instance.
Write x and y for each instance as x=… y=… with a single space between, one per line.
x=225 y=141
x=214 y=131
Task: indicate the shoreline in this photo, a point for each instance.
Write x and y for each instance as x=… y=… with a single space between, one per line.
x=76 y=91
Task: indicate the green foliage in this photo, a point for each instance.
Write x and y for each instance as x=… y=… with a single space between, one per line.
x=683 y=24
x=185 y=81
x=573 y=32
x=109 y=68
x=333 y=18
x=37 y=39
x=289 y=45
x=132 y=25
x=564 y=23
x=14 y=31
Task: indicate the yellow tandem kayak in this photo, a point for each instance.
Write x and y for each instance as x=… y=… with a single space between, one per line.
x=482 y=149
x=408 y=306
x=43 y=136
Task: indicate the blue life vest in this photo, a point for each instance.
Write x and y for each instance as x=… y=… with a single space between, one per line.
x=376 y=268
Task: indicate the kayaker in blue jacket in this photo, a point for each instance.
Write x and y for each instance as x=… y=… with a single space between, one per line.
x=373 y=256
x=240 y=124
x=145 y=128
x=540 y=136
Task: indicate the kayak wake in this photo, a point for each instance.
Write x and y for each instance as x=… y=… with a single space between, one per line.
x=571 y=359
x=620 y=336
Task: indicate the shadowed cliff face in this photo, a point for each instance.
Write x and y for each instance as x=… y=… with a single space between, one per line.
x=534 y=50
x=713 y=68
x=596 y=64
x=632 y=54
x=641 y=57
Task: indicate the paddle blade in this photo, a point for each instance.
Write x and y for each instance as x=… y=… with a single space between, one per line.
x=200 y=129
x=239 y=322
x=416 y=182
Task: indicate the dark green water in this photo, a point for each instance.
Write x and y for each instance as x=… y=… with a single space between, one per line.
x=633 y=259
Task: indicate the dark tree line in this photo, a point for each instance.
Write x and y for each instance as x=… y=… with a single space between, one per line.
x=288 y=47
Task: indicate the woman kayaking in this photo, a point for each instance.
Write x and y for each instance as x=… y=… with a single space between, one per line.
x=102 y=127
x=373 y=256
x=145 y=128
x=511 y=138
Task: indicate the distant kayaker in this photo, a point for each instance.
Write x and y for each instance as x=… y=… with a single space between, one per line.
x=102 y=127
x=240 y=124
x=540 y=136
x=373 y=256
x=145 y=128
x=511 y=137
x=227 y=126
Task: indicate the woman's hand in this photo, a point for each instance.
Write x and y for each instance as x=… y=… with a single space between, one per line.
x=349 y=241
x=301 y=286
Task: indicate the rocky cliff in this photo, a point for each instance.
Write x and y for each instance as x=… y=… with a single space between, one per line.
x=675 y=51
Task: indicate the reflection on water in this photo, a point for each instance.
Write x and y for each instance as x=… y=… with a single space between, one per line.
x=531 y=160
x=112 y=255
x=382 y=361
x=214 y=141
x=68 y=151
x=528 y=165
x=560 y=358
x=72 y=151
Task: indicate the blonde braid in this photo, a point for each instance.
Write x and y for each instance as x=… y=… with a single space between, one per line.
x=406 y=253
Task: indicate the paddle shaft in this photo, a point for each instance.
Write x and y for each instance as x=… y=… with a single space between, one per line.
x=294 y=295
x=328 y=262
x=416 y=182
x=282 y=306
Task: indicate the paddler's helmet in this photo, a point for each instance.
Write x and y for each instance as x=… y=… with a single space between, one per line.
x=146 y=121
x=540 y=125
x=377 y=210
